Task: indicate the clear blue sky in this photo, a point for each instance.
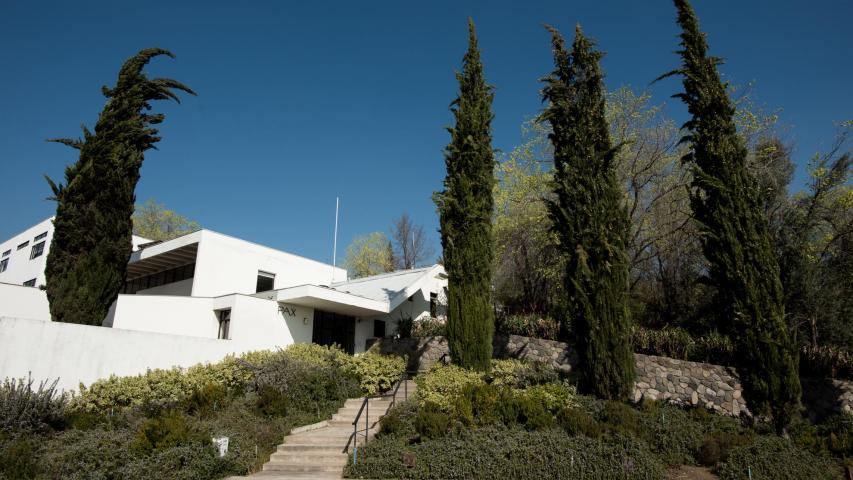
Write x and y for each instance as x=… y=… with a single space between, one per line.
x=300 y=102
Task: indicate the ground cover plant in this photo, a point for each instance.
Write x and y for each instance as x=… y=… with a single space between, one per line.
x=521 y=420
x=160 y=424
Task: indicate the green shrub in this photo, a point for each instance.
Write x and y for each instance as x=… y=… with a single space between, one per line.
x=168 y=430
x=556 y=397
x=156 y=389
x=444 y=384
x=184 y=462
x=534 y=326
x=532 y=413
x=24 y=408
x=272 y=402
x=97 y=454
x=619 y=417
x=576 y=421
x=771 y=457
x=717 y=445
x=671 y=432
x=18 y=457
x=378 y=373
x=431 y=422
x=311 y=380
x=520 y=373
x=497 y=452
x=206 y=400
x=331 y=356
x=429 y=327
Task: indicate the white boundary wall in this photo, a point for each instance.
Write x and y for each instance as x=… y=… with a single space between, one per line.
x=82 y=354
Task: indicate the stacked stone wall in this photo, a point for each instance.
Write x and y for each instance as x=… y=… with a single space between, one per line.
x=715 y=387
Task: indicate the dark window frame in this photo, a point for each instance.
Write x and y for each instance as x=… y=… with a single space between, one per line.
x=264 y=279
x=23 y=245
x=224 y=325
x=30 y=283
x=433 y=304
x=177 y=274
x=37 y=250
x=4 y=264
x=40 y=236
x=7 y=252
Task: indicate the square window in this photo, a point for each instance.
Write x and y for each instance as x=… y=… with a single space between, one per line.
x=379 y=328
x=37 y=251
x=30 y=283
x=266 y=281
x=4 y=264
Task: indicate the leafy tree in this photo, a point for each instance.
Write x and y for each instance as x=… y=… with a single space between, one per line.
x=727 y=205
x=368 y=255
x=814 y=239
x=528 y=266
x=589 y=218
x=411 y=246
x=465 y=209
x=153 y=221
x=91 y=245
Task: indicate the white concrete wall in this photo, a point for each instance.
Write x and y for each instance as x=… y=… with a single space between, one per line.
x=20 y=268
x=191 y=316
x=257 y=321
x=23 y=302
x=81 y=353
x=226 y=265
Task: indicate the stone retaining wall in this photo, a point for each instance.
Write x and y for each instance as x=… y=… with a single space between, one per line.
x=658 y=378
x=688 y=383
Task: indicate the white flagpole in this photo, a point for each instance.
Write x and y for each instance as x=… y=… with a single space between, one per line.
x=335 y=242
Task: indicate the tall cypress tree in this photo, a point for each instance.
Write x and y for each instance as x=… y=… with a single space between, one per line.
x=91 y=243
x=727 y=205
x=589 y=218
x=465 y=209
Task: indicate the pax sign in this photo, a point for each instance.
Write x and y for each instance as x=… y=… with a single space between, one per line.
x=288 y=310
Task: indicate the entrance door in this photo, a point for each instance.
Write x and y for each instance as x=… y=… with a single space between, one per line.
x=333 y=328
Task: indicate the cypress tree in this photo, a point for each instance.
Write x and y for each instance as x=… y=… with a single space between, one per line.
x=91 y=243
x=465 y=210
x=728 y=206
x=589 y=218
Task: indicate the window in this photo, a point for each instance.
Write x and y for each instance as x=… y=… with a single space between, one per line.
x=160 y=278
x=23 y=245
x=433 y=304
x=224 y=324
x=30 y=283
x=266 y=280
x=379 y=328
x=6 y=253
x=4 y=264
x=39 y=237
x=37 y=250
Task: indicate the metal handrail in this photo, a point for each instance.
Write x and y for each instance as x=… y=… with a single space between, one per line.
x=365 y=407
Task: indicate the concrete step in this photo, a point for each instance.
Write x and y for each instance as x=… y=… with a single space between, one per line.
x=309 y=449
x=309 y=457
x=304 y=467
x=277 y=475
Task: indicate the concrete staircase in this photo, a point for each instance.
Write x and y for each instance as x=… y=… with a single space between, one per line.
x=316 y=451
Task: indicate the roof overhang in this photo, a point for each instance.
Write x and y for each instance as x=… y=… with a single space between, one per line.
x=167 y=260
x=322 y=298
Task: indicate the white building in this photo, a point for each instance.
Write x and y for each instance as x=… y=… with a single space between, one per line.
x=210 y=293
x=22 y=257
